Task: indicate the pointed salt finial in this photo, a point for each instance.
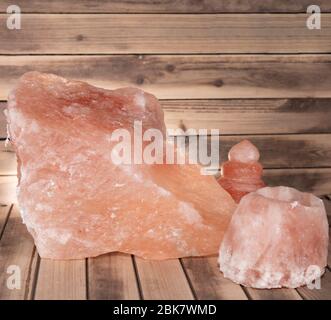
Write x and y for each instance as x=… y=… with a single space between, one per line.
x=245 y=152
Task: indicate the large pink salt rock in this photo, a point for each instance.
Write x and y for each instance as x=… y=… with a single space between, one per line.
x=242 y=174
x=76 y=202
x=278 y=237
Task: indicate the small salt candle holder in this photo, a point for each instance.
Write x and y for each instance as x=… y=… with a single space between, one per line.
x=278 y=237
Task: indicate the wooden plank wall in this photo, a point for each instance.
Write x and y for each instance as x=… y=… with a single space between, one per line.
x=249 y=68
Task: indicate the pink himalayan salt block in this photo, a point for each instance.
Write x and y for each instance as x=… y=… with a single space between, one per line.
x=77 y=203
x=278 y=237
x=242 y=173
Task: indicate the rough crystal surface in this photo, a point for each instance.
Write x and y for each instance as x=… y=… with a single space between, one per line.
x=77 y=203
x=278 y=237
x=242 y=173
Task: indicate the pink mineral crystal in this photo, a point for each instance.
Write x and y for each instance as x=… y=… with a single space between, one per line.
x=242 y=173
x=244 y=152
x=76 y=202
x=278 y=237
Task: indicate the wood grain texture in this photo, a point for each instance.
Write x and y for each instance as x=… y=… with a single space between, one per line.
x=112 y=277
x=186 y=76
x=317 y=181
x=166 y=33
x=164 y=6
x=241 y=116
x=285 y=151
x=273 y=294
x=250 y=116
x=7 y=159
x=16 y=250
x=208 y=282
x=318 y=294
x=64 y=280
x=327 y=204
x=8 y=189
x=163 y=280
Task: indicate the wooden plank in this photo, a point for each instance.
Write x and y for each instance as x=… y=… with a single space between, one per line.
x=242 y=116
x=317 y=181
x=250 y=116
x=163 y=280
x=187 y=76
x=8 y=189
x=208 y=282
x=112 y=277
x=169 y=6
x=285 y=151
x=61 y=280
x=327 y=204
x=324 y=293
x=165 y=33
x=16 y=255
x=273 y=294
x=8 y=162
